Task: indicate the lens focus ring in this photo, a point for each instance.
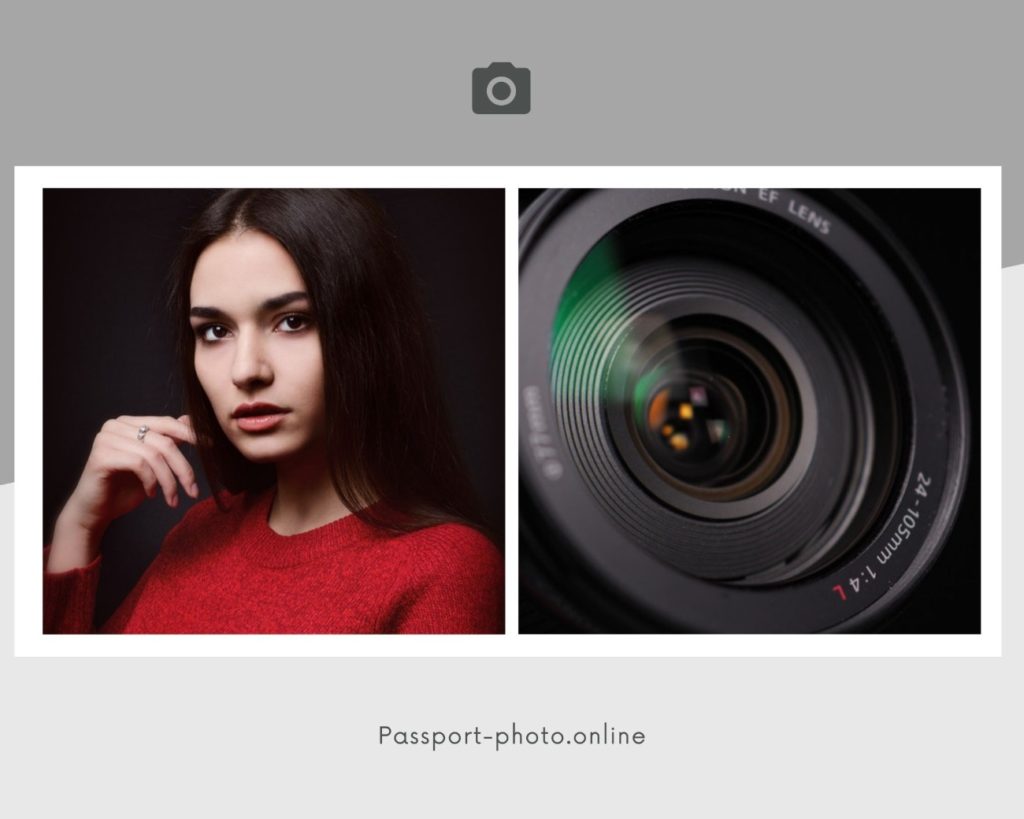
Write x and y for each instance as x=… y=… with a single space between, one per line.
x=590 y=387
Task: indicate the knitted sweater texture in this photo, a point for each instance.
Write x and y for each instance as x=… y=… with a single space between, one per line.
x=229 y=572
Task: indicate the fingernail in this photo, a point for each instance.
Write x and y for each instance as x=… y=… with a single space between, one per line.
x=195 y=490
x=174 y=500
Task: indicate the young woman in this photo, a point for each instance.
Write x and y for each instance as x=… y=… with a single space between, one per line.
x=339 y=502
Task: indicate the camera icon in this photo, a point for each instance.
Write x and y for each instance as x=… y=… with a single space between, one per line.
x=501 y=88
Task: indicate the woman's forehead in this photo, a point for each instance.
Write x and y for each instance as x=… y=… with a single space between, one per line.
x=243 y=269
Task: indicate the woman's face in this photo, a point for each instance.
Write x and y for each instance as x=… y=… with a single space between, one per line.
x=258 y=355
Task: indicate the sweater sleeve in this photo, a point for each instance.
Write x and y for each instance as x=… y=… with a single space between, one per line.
x=69 y=598
x=465 y=594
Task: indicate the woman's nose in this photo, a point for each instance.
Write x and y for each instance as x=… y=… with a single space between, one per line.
x=250 y=366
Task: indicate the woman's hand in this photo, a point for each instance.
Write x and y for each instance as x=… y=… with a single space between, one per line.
x=123 y=469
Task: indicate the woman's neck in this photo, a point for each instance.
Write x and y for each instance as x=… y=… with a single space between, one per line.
x=305 y=499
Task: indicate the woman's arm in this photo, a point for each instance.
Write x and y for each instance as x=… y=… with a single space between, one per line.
x=76 y=545
x=69 y=601
x=69 y=598
x=130 y=459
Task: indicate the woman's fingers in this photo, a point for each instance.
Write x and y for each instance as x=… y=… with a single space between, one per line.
x=180 y=429
x=117 y=459
x=124 y=467
x=136 y=451
x=174 y=459
x=159 y=441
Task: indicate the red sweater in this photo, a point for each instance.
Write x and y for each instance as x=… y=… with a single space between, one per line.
x=231 y=573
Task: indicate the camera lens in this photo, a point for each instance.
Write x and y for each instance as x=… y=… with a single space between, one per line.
x=501 y=91
x=740 y=412
x=710 y=410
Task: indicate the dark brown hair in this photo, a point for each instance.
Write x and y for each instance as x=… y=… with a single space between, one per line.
x=392 y=456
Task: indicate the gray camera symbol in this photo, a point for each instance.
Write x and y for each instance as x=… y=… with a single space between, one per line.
x=501 y=88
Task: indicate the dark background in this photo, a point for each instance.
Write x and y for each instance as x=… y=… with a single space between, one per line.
x=941 y=229
x=108 y=346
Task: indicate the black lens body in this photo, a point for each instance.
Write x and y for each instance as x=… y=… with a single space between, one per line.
x=748 y=410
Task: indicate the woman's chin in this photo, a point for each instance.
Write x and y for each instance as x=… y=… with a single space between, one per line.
x=261 y=452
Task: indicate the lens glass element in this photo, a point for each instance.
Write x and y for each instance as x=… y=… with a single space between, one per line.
x=714 y=409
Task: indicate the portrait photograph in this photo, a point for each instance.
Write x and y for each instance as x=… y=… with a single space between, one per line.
x=273 y=411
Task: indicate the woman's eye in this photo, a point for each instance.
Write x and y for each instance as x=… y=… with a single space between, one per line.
x=212 y=332
x=294 y=323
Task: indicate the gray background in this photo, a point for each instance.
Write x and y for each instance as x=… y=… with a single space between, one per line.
x=736 y=84
x=660 y=84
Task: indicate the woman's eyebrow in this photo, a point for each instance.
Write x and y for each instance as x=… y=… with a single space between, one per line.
x=283 y=300
x=274 y=303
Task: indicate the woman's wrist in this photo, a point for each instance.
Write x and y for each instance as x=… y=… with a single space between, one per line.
x=75 y=545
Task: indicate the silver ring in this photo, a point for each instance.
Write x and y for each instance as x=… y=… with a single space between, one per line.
x=142 y=432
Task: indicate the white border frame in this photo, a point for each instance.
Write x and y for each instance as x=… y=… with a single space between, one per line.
x=29 y=183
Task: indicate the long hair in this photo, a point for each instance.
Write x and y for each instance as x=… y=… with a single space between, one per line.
x=392 y=457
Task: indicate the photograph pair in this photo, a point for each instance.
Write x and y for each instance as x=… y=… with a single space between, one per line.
x=543 y=413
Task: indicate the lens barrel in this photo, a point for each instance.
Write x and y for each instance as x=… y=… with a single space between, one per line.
x=739 y=412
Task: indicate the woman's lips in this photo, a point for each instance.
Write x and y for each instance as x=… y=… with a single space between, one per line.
x=260 y=423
